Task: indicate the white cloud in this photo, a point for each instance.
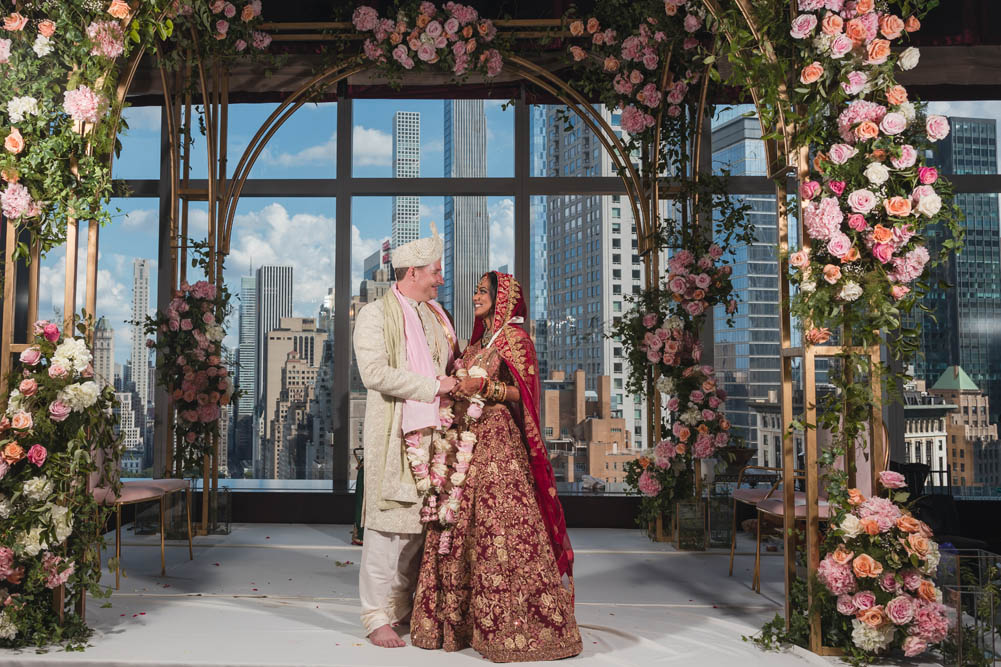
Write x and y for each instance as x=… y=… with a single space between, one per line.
x=324 y=153
x=502 y=234
x=372 y=147
x=433 y=146
x=143 y=217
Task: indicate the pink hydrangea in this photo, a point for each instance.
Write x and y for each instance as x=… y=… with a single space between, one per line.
x=855 y=113
x=651 y=96
x=107 y=37
x=84 y=105
x=930 y=622
x=648 y=484
x=365 y=18
x=261 y=40
x=4 y=51
x=824 y=219
x=910 y=266
x=635 y=121
x=15 y=201
x=837 y=578
x=495 y=63
x=883 y=511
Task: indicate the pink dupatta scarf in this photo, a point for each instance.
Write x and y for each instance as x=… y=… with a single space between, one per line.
x=418 y=415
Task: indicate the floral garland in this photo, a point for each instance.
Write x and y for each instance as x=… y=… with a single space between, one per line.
x=55 y=415
x=189 y=338
x=59 y=61
x=441 y=478
x=453 y=37
x=878 y=575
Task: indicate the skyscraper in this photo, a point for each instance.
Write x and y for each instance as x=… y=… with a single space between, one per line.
x=467 y=226
x=273 y=296
x=747 y=356
x=104 y=353
x=593 y=264
x=963 y=327
x=538 y=289
x=140 y=309
x=406 y=164
x=246 y=378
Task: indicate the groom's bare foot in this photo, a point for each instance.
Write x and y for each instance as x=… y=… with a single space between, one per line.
x=386 y=637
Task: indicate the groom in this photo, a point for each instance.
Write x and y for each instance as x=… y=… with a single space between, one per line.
x=404 y=344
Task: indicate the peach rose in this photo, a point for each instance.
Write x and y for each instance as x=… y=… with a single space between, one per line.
x=248 y=14
x=851 y=256
x=918 y=544
x=15 y=22
x=842 y=556
x=14 y=143
x=46 y=28
x=611 y=64
x=855 y=30
x=832 y=273
x=577 y=28
x=870 y=527
x=864 y=6
x=896 y=95
x=832 y=24
x=680 y=448
x=866 y=130
x=898 y=207
x=811 y=73
x=855 y=497
x=891 y=26
x=670 y=9
x=119 y=9
x=878 y=51
x=12 y=453
x=593 y=25
x=926 y=591
x=9 y=175
x=866 y=566
x=924 y=529
x=881 y=234
x=873 y=616
x=878 y=155
x=817 y=336
x=644 y=462
x=21 y=421
x=912 y=24
x=467 y=32
x=424 y=19
x=908 y=524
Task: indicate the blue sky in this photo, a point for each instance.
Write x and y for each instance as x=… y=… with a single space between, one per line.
x=300 y=231
x=296 y=231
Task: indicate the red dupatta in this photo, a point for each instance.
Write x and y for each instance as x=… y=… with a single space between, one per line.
x=516 y=349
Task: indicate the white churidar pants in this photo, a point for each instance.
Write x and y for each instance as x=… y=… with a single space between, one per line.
x=388 y=576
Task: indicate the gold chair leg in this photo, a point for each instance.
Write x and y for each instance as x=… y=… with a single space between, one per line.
x=118 y=545
x=733 y=537
x=187 y=502
x=163 y=529
x=756 y=583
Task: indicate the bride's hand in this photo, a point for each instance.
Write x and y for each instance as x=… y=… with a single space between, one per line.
x=468 y=386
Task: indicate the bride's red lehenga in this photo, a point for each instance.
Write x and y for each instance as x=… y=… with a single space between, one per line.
x=499 y=589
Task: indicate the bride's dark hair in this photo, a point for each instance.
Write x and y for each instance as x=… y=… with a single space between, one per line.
x=492 y=275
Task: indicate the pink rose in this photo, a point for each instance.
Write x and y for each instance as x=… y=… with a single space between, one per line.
x=898 y=292
x=927 y=175
x=937 y=127
x=57 y=371
x=692 y=23
x=649 y=320
x=846 y=605
x=888 y=582
x=892 y=480
x=914 y=646
x=900 y=610
x=678 y=285
x=59 y=411
x=653 y=356
x=862 y=201
x=883 y=252
x=674 y=404
x=222 y=26
x=908 y=156
x=809 y=189
x=28 y=387
x=240 y=45
x=855 y=83
x=31 y=356
x=51 y=332
x=695 y=308
x=841 y=153
x=857 y=222
x=839 y=245
x=893 y=123
x=803 y=25
x=475 y=411
x=864 y=600
x=841 y=45
x=837 y=187
x=229 y=10
x=185 y=325
x=37 y=455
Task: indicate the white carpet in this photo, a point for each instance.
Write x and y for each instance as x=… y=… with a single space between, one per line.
x=284 y=594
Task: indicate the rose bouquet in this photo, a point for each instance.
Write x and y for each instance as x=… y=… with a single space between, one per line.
x=454 y=37
x=56 y=415
x=877 y=574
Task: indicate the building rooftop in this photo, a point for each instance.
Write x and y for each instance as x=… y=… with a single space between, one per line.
x=954 y=378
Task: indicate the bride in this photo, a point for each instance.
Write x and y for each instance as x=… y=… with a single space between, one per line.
x=499 y=585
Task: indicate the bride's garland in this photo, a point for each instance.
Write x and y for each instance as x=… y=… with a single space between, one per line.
x=440 y=479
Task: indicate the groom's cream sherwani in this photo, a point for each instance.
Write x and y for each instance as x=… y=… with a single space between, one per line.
x=393 y=531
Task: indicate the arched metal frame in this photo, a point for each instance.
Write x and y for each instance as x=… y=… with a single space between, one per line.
x=642 y=189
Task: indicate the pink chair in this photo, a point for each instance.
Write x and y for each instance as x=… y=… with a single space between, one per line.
x=775 y=507
x=750 y=497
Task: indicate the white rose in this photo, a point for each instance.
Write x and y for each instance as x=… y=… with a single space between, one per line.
x=851 y=291
x=19 y=107
x=851 y=526
x=877 y=173
x=909 y=58
x=215 y=332
x=468 y=437
x=808 y=286
x=908 y=111
x=37 y=488
x=6 y=507
x=62 y=522
x=930 y=205
x=14 y=402
x=42 y=46
x=674 y=322
x=7 y=628
x=665 y=384
x=31 y=543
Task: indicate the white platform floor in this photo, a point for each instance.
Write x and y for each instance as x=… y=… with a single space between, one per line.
x=286 y=594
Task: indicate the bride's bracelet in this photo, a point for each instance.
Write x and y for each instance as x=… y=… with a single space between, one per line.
x=498 y=392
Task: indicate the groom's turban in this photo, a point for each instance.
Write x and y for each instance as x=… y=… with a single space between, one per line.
x=421 y=252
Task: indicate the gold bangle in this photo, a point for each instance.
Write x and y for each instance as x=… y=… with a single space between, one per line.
x=500 y=392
